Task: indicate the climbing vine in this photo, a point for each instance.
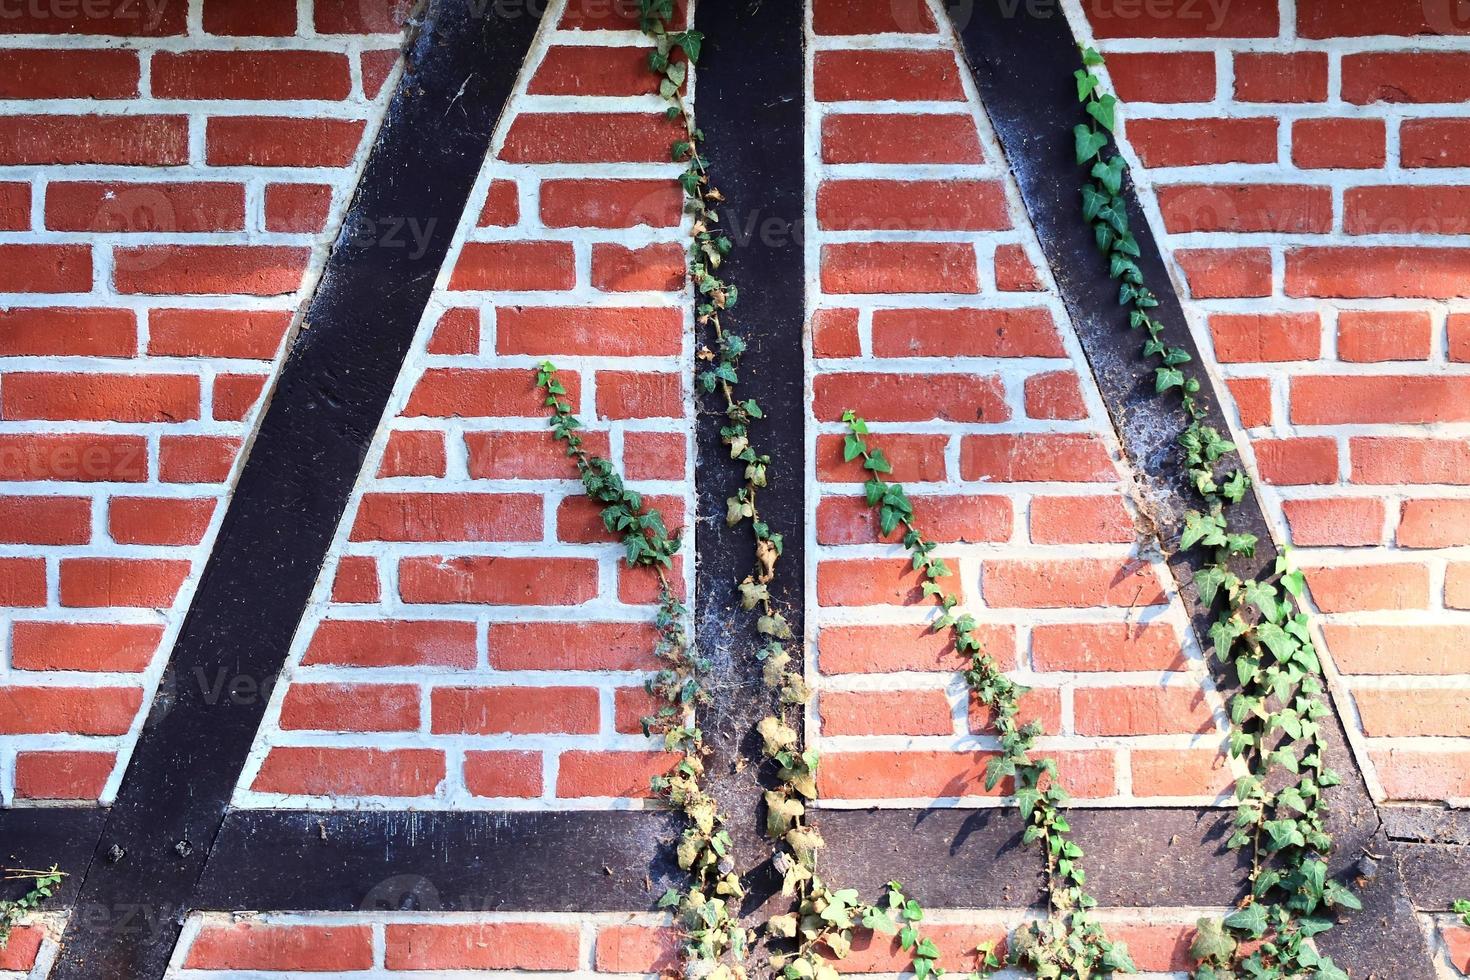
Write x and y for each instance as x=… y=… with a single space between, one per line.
x=11 y=912
x=1261 y=633
x=1069 y=943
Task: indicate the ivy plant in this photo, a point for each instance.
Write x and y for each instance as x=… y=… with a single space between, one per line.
x=43 y=886
x=1260 y=635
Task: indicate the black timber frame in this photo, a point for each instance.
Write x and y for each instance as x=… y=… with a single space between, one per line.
x=311 y=445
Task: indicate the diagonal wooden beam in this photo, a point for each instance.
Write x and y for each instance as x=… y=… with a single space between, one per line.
x=329 y=397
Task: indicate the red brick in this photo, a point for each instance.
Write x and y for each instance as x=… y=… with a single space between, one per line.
x=894 y=138
x=875 y=582
x=45 y=520
x=481 y=946
x=849 y=520
x=942 y=775
x=502 y=206
x=593 y=70
x=22 y=582
x=1409 y=774
x=121 y=581
x=356 y=580
x=252 y=270
x=246 y=334
x=1391 y=460
x=1079 y=583
x=377 y=66
x=1252 y=399
x=72 y=710
x=892 y=712
x=885 y=649
x=1092 y=647
x=1264 y=337
x=630 y=706
x=1434 y=142
x=636 y=949
x=159 y=520
x=100 y=397
x=1383 y=335
x=318 y=771
x=1081 y=520
x=1036 y=457
x=639 y=395
x=1406 y=76
x=572 y=646
x=1295 y=462
x=652 y=268
x=1434 y=523
x=297 y=208
x=872 y=17
x=910 y=397
x=1395 y=713
x=235 y=395
x=875 y=952
x=524 y=455
x=196 y=459
x=15 y=206
x=515 y=710
x=1214 y=273
x=835 y=334
x=653 y=455
x=112 y=19
x=262 y=18
x=1432 y=273
x=1193 y=142
x=45 y=268
x=915 y=459
x=514 y=266
x=1054 y=395
x=1158 y=76
x=255 y=75
x=1457 y=940
x=361 y=16
x=457 y=332
x=1457 y=585
x=56 y=74
x=641 y=587
x=1327 y=400
x=121 y=140
x=1319 y=144
x=1342 y=18
x=593 y=15
x=1174 y=772
x=1014 y=271
x=1335 y=522
x=412 y=452
x=350 y=708
x=1020 y=332
x=1399 y=649
x=1246 y=208
x=912 y=205
x=392 y=643
x=266 y=141
x=1181 y=18
x=80 y=457
x=589 y=137
x=21 y=951
x=503 y=775
x=1141 y=711
x=483 y=393
x=263 y=946
x=899 y=267
x=448 y=517
x=904 y=76
x=108 y=647
x=1355 y=588
x=1406 y=210
x=610 y=774
x=1299 y=76
x=498 y=581
x=569 y=203
x=61 y=776
x=1042 y=705
x=601 y=331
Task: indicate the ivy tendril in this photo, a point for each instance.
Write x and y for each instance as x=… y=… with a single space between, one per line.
x=1261 y=631
x=714 y=938
x=11 y=912
x=1069 y=942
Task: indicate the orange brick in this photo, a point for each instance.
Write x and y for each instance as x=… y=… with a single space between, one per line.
x=514 y=710
x=1078 y=583
x=1078 y=520
x=1406 y=713
x=1343 y=521
x=481 y=946
x=884 y=649
x=910 y=397
x=1141 y=711
x=392 y=643
x=503 y=775
x=262 y=946
x=611 y=774
x=1399 y=649
x=1179 y=772
x=894 y=712
x=1036 y=457
x=318 y=771
x=875 y=581
x=1106 y=647
x=1369 y=587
